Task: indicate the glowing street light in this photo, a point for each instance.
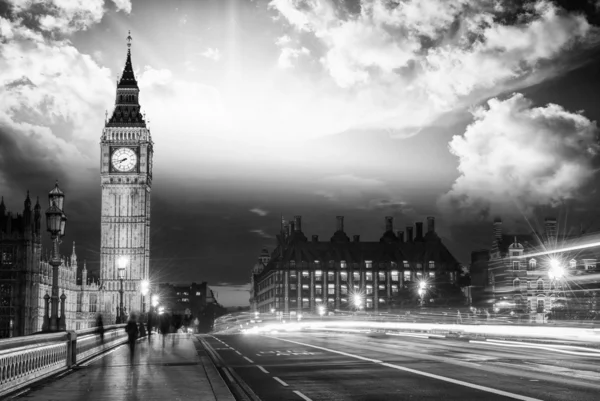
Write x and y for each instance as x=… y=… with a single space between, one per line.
x=556 y=271
x=321 y=310
x=155 y=300
x=358 y=300
x=144 y=289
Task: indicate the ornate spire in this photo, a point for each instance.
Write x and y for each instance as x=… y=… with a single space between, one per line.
x=128 y=78
x=27 y=201
x=127 y=108
x=37 y=204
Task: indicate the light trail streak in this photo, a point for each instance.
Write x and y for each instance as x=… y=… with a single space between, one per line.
x=567 y=249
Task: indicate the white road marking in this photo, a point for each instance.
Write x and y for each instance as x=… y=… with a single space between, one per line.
x=536 y=347
x=263 y=369
x=280 y=381
x=560 y=346
x=418 y=372
x=248 y=359
x=302 y=396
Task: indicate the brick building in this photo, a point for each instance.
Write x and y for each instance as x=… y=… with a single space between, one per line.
x=301 y=275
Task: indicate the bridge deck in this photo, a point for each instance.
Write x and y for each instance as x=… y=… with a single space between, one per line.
x=177 y=370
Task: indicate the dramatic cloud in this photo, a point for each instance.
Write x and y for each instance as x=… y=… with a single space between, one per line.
x=361 y=193
x=213 y=54
x=259 y=212
x=401 y=64
x=288 y=55
x=49 y=110
x=261 y=233
x=515 y=157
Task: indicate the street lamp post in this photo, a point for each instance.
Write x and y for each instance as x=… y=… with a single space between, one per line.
x=121 y=270
x=56 y=221
x=145 y=288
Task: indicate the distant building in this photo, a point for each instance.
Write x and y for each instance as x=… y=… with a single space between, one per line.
x=26 y=277
x=261 y=263
x=302 y=275
x=522 y=270
x=177 y=299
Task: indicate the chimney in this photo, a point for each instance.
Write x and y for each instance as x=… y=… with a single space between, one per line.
x=419 y=234
x=550 y=228
x=298 y=221
x=315 y=238
x=400 y=236
x=409 y=234
x=389 y=223
x=340 y=223
x=430 y=224
x=356 y=238
x=498 y=229
x=292 y=225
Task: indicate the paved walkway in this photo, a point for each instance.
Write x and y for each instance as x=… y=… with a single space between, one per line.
x=178 y=371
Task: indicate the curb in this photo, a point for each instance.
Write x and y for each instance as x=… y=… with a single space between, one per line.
x=241 y=391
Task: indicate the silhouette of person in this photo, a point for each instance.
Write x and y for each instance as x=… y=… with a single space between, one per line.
x=165 y=324
x=150 y=323
x=132 y=334
x=100 y=328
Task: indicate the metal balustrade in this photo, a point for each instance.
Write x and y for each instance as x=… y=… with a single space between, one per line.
x=26 y=360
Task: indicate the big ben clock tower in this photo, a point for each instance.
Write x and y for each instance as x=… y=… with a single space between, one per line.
x=126 y=178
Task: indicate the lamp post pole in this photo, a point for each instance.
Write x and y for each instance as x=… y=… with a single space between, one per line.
x=121 y=271
x=56 y=221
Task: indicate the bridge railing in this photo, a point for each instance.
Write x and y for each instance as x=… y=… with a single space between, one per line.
x=26 y=360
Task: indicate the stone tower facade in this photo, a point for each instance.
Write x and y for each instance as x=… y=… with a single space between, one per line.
x=126 y=179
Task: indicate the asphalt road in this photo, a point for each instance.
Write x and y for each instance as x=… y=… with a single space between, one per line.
x=337 y=366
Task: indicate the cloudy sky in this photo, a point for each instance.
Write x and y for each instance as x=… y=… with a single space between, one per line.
x=464 y=110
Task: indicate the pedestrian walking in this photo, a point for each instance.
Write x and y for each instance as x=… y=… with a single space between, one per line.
x=100 y=328
x=150 y=324
x=132 y=334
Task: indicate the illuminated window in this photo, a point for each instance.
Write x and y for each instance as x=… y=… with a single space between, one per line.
x=344 y=276
x=293 y=275
x=369 y=276
x=369 y=303
x=406 y=275
x=305 y=287
x=198 y=293
x=406 y=264
x=369 y=289
x=344 y=300
x=356 y=288
x=305 y=303
x=343 y=264
x=532 y=264
x=318 y=289
x=419 y=276
x=330 y=276
x=293 y=286
x=356 y=276
x=318 y=300
x=431 y=274
x=344 y=289
x=331 y=289
x=318 y=275
x=369 y=264
x=431 y=264
x=381 y=300
x=394 y=274
x=381 y=287
x=394 y=289
x=381 y=276
x=330 y=302
x=305 y=274
x=573 y=263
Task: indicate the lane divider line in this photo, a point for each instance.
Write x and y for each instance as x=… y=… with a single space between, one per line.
x=418 y=372
x=280 y=381
x=302 y=395
x=553 y=346
x=562 y=351
x=248 y=359
x=263 y=369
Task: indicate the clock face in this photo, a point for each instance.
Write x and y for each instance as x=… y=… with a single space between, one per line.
x=124 y=159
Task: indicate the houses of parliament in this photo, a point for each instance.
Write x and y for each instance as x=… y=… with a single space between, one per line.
x=126 y=151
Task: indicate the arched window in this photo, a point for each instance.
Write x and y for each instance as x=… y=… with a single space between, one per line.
x=516 y=284
x=540 y=285
x=532 y=264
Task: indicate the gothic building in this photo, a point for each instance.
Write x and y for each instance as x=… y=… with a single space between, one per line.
x=126 y=150
x=26 y=277
x=302 y=275
x=521 y=271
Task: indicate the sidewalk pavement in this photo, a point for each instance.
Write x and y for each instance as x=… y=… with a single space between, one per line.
x=180 y=370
